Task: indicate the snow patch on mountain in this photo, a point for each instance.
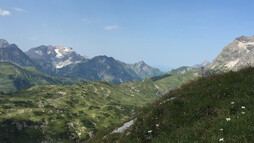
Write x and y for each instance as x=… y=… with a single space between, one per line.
x=61 y=51
x=58 y=53
x=64 y=63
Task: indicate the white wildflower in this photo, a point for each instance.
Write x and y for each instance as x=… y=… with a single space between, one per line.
x=221 y=140
x=157 y=125
x=228 y=119
x=243 y=112
x=232 y=102
x=149 y=131
x=243 y=107
x=221 y=129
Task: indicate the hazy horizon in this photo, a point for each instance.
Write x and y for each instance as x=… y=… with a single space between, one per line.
x=162 y=33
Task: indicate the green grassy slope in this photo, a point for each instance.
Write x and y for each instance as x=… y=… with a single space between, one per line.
x=197 y=112
x=13 y=78
x=70 y=113
x=174 y=78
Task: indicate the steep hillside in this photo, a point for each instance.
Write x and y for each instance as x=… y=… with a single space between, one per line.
x=175 y=78
x=212 y=109
x=238 y=54
x=13 y=78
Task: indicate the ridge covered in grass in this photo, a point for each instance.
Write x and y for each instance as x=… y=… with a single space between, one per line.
x=14 y=78
x=211 y=109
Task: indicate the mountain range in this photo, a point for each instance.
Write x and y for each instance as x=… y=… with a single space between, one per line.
x=64 y=61
x=109 y=69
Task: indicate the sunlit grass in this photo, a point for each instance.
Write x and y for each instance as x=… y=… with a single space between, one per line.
x=210 y=109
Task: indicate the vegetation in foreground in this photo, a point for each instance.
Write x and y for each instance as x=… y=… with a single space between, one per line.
x=74 y=113
x=218 y=108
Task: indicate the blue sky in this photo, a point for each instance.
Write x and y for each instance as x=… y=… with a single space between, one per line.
x=165 y=33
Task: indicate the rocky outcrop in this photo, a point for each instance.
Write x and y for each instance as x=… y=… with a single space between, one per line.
x=238 y=54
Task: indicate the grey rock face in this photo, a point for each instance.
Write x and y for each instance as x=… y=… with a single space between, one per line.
x=238 y=54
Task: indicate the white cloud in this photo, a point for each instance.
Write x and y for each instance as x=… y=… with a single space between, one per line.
x=91 y=20
x=19 y=10
x=112 y=27
x=4 y=12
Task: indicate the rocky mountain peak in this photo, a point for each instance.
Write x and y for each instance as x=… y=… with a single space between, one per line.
x=203 y=64
x=144 y=70
x=245 y=38
x=58 y=56
x=12 y=54
x=141 y=63
x=3 y=43
x=239 y=53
